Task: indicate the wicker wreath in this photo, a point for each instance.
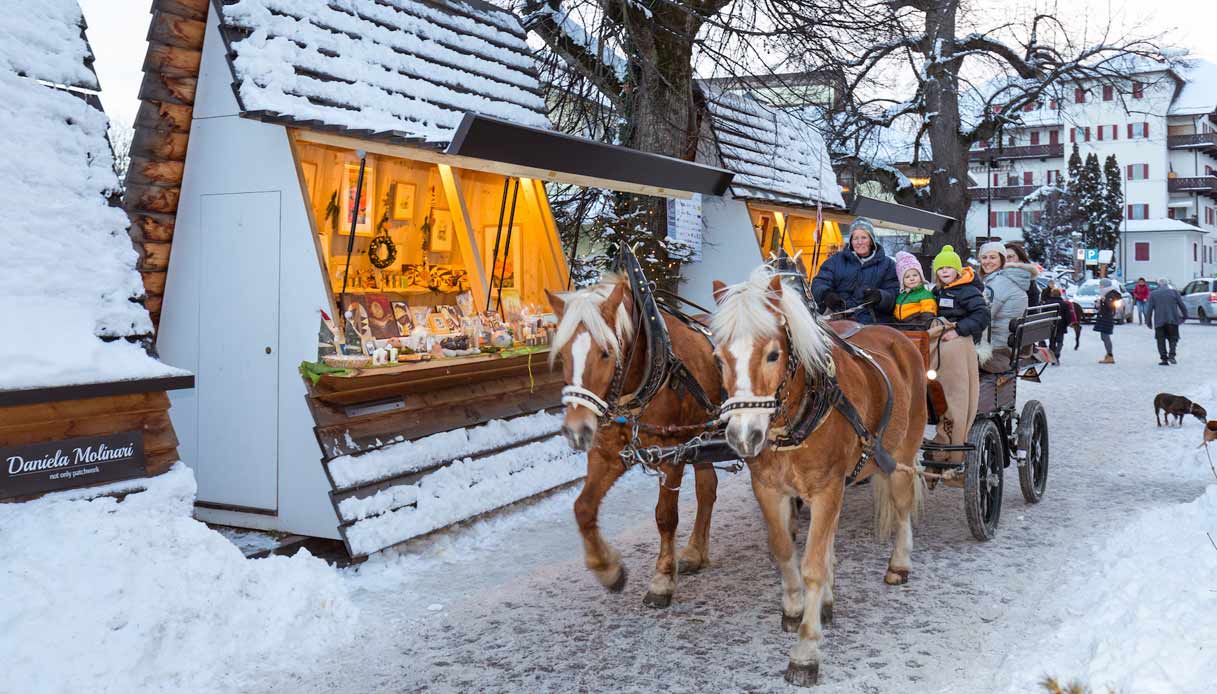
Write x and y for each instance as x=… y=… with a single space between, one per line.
x=385 y=245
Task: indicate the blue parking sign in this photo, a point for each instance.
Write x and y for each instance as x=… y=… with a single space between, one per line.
x=1092 y=256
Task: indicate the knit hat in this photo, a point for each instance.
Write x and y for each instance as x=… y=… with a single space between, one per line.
x=947 y=257
x=993 y=247
x=907 y=261
x=865 y=225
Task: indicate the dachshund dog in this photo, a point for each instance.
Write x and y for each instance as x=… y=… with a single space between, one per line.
x=1210 y=432
x=1177 y=406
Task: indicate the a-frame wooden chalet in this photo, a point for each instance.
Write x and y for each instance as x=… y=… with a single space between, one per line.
x=81 y=402
x=243 y=190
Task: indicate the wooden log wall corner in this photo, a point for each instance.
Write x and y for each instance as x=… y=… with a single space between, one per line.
x=162 y=130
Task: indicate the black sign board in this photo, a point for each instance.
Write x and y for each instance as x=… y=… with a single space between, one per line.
x=81 y=462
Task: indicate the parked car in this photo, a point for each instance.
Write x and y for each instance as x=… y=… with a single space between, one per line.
x=1085 y=294
x=1200 y=297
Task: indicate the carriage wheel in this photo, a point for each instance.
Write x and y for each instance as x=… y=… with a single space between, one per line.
x=982 y=482
x=1033 y=440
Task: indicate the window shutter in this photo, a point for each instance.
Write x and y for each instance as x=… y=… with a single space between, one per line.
x=1028 y=179
x=1129 y=167
x=1073 y=134
x=1100 y=133
x=1145 y=171
x=1079 y=95
x=992 y=219
x=1115 y=132
x=1145 y=130
x=1054 y=137
x=1130 y=211
x=1035 y=137
x=1130 y=131
x=1107 y=92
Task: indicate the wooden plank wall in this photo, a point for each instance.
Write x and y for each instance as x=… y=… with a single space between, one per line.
x=162 y=129
x=65 y=419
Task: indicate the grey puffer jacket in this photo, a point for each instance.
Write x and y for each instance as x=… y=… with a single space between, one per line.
x=1006 y=290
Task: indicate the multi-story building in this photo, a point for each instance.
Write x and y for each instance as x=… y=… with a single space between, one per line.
x=1162 y=127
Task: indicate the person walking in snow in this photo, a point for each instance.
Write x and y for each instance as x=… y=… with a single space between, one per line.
x=1140 y=294
x=860 y=275
x=1164 y=312
x=1105 y=318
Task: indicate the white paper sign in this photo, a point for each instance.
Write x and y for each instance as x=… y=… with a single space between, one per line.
x=685 y=228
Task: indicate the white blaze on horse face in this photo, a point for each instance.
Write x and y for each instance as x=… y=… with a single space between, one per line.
x=741 y=423
x=580 y=347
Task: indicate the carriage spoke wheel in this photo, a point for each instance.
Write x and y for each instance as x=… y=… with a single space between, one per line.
x=982 y=482
x=1033 y=438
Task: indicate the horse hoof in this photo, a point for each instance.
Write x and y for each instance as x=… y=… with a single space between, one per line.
x=790 y=625
x=826 y=614
x=688 y=567
x=803 y=675
x=657 y=600
x=896 y=577
x=619 y=585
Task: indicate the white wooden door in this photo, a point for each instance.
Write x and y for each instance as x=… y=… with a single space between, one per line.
x=237 y=382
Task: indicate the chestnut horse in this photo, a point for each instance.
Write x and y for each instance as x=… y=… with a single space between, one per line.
x=759 y=327
x=594 y=338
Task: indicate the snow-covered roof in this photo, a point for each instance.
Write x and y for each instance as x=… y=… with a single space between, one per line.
x=45 y=40
x=1162 y=224
x=408 y=68
x=775 y=155
x=67 y=267
x=1199 y=94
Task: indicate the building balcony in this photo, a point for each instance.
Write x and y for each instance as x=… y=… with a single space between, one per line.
x=1021 y=152
x=1204 y=185
x=1002 y=192
x=1206 y=142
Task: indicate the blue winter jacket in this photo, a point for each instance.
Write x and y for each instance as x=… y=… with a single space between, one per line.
x=845 y=274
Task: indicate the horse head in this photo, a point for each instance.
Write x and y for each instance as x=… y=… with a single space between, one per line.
x=594 y=326
x=759 y=329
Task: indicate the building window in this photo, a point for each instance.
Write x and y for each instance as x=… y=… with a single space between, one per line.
x=1108 y=92
x=1054 y=104
x=1083 y=132
x=1053 y=176
x=1013 y=219
x=1035 y=137
x=1054 y=137
x=1141 y=251
x=1079 y=95
x=996 y=180
x=1138 y=211
x=1138 y=131
x=1011 y=179
x=1138 y=172
x=1138 y=90
x=1028 y=178
x=1210 y=217
x=1029 y=107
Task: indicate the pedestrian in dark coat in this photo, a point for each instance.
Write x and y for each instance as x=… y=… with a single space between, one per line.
x=1164 y=312
x=861 y=273
x=1105 y=318
x=1052 y=297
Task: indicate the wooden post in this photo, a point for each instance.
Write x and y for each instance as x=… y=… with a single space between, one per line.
x=538 y=201
x=473 y=259
x=322 y=253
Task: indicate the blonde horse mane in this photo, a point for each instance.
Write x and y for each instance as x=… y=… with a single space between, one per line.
x=745 y=311
x=582 y=308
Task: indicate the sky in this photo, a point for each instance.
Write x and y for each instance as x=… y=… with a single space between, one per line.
x=117 y=31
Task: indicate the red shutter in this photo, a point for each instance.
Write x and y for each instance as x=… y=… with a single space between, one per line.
x=1100 y=133
x=992 y=219
x=1079 y=95
x=1141 y=251
x=1073 y=134
x=1145 y=133
x=1088 y=133
x=1018 y=219
x=1130 y=211
x=1129 y=167
x=1053 y=104
x=1145 y=171
x=1027 y=178
x=1115 y=132
x=1138 y=90
x=1035 y=137
x=1028 y=107
x=1130 y=131
x=996 y=180
x=1054 y=137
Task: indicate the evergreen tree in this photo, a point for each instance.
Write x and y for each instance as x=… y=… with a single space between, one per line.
x=1048 y=237
x=1075 y=164
x=1113 y=205
x=1090 y=200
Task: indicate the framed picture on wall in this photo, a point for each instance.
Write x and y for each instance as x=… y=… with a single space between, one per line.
x=366 y=212
x=401 y=314
x=403 y=202
x=381 y=320
x=504 y=267
x=441 y=232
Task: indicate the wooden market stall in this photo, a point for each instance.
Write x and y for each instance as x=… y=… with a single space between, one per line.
x=82 y=403
x=362 y=183
x=784 y=193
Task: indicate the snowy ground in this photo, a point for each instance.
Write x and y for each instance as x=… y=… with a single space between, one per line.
x=508 y=606
x=1110 y=580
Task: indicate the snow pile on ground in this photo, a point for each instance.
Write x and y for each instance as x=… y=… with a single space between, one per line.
x=109 y=596
x=1142 y=614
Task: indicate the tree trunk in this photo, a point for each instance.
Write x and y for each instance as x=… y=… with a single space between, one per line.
x=949 y=177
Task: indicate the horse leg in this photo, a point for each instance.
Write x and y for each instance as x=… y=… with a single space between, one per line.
x=804 y=667
x=896 y=501
x=604 y=561
x=667 y=517
x=696 y=555
x=775 y=507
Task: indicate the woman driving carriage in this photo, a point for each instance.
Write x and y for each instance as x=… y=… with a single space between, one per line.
x=860 y=276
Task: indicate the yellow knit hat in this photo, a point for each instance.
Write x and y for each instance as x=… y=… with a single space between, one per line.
x=947 y=257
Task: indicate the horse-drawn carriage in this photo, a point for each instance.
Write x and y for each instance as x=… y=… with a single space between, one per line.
x=1000 y=435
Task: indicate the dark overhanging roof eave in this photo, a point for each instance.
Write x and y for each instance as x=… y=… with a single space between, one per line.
x=896 y=213
x=493 y=139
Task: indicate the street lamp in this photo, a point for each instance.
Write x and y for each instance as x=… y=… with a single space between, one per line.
x=1078 y=255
